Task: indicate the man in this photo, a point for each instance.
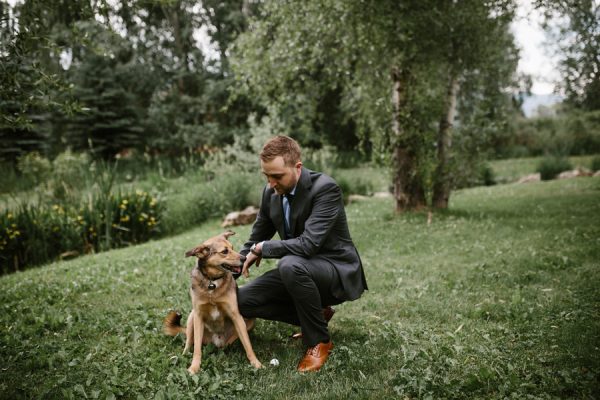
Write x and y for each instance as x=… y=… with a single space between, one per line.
x=319 y=265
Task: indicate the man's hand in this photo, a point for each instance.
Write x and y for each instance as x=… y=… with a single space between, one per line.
x=252 y=257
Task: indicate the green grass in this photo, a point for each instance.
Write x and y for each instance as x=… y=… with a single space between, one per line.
x=496 y=298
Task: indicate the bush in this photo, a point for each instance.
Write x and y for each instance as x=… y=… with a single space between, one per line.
x=34 y=167
x=571 y=133
x=550 y=167
x=486 y=175
x=595 y=164
x=220 y=194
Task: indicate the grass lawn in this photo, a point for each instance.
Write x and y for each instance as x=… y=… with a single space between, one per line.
x=497 y=298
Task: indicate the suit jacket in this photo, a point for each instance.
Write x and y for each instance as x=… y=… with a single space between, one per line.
x=318 y=228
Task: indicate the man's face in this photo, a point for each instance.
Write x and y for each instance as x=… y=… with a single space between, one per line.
x=281 y=177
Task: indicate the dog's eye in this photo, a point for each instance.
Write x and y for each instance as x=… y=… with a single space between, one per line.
x=226 y=251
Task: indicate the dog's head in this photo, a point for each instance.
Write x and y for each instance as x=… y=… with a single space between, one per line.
x=217 y=253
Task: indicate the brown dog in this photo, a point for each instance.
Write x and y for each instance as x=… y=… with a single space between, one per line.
x=215 y=317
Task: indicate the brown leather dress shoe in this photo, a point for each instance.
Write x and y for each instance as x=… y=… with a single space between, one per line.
x=315 y=357
x=327 y=314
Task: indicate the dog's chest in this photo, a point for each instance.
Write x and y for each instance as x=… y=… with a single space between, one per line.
x=215 y=318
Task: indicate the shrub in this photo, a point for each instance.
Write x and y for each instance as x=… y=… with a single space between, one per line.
x=486 y=175
x=595 y=164
x=34 y=167
x=550 y=167
x=69 y=171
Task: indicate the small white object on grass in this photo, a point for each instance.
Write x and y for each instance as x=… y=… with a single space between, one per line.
x=274 y=362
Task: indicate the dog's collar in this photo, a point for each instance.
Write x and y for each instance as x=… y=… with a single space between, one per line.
x=211 y=279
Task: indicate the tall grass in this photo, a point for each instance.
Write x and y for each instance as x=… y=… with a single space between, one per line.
x=32 y=235
x=496 y=298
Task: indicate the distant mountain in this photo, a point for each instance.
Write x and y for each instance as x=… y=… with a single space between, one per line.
x=533 y=102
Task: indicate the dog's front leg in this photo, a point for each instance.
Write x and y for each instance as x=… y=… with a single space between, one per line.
x=189 y=332
x=198 y=325
x=240 y=328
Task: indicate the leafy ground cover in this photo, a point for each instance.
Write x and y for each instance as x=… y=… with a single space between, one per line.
x=495 y=298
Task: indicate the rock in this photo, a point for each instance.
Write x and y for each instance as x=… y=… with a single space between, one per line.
x=353 y=198
x=244 y=217
x=382 y=195
x=577 y=172
x=530 y=178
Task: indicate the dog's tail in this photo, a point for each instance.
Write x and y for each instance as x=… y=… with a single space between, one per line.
x=172 y=324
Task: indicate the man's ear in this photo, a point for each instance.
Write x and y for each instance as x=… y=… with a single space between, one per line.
x=201 y=251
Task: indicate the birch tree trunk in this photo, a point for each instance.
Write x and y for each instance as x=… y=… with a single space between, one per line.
x=408 y=189
x=441 y=185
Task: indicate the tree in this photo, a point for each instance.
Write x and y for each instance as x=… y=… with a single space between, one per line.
x=136 y=66
x=31 y=85
x=574 y=25
x=386 y=57
x=474 y=36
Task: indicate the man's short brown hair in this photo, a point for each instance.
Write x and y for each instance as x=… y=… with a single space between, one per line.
x=283 y=146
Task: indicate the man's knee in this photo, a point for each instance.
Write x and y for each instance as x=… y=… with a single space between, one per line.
x=290 y=267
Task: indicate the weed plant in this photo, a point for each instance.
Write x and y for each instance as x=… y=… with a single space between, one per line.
x=496 y=298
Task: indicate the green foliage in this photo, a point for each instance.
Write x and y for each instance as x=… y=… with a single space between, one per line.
x=33 y=235
x=34 y=168
x=571 y=132
x=191 y=203
x=595 y=165
x=575 y=31
x=490 y=308
x=550 y=167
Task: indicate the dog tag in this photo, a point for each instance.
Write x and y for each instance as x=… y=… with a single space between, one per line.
x=212 y=286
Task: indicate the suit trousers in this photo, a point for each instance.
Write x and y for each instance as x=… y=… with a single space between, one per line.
x=295 y=292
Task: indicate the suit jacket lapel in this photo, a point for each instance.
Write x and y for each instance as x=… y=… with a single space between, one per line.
x=277 y=213
x=300 y=198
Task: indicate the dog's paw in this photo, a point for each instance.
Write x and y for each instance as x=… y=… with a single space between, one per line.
x=193 y=369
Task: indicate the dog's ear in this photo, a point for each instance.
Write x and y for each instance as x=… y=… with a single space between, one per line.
x=201 y=251
x=227 y=234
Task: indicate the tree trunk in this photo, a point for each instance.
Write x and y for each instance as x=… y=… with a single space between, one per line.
x=441 y=185
x=172 y=14
x=408 y=189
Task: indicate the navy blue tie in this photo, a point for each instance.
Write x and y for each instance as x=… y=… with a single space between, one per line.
x=287 y=199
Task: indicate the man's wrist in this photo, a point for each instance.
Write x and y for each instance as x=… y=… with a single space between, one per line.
x=256 y=249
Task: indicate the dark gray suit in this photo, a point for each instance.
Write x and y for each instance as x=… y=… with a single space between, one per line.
x=319 y=264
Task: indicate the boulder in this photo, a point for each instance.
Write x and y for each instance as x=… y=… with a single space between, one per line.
x=577 y=172
x=530 y=178
x=244 y=217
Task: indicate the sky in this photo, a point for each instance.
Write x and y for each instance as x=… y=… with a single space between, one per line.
x=535 y=58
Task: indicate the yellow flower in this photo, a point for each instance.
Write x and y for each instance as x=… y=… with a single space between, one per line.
x=125 y=218
x=9 y=216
